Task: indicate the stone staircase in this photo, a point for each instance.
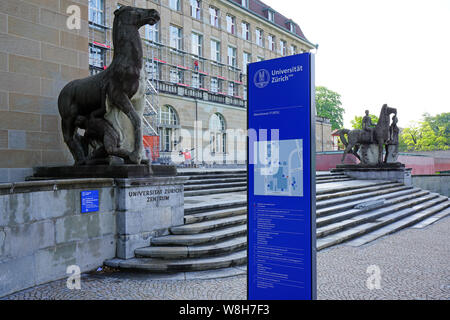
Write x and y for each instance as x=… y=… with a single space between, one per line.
x=214 y=233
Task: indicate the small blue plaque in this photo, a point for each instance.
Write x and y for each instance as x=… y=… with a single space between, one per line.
x=89 y=201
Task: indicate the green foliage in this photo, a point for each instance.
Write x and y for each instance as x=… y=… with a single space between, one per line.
x=357 y=121
x=433 y=133
x=328 y=105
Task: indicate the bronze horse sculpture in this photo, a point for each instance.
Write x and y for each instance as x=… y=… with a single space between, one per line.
x=380 y=135
x=114 y=86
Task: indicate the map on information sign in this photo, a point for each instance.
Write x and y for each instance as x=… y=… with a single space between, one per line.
x=278 y=169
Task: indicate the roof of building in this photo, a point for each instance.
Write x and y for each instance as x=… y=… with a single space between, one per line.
x=260 y=9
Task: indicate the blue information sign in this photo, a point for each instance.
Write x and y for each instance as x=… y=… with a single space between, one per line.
x=281 y=173
x=89 y=201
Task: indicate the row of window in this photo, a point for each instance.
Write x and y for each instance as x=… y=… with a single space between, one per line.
x=176 y=75
x=96 y=15
x=170 y=123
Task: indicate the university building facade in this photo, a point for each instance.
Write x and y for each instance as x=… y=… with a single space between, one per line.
x=196 y=59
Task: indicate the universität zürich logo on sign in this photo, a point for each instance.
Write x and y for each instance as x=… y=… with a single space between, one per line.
x=261 y=78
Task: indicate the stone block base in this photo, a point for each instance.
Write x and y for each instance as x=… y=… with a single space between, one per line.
x=386 y=171
x=146 y=207
x=104 y=171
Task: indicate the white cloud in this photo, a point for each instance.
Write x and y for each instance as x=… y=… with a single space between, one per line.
x=376 y=52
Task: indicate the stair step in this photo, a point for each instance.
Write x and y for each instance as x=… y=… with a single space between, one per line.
x=346 y=199
x=213 y=191
x=215 y=186
x=216 y=214
x=229 y=245
x=432 y=219
x=335 y=189
x=344 y=222
x=322 y=177
x=355 y=191
x=372 y=230
x=333 y=180
x=350 y=205
x=205 y=226
x=201 y=238
x=180 y=265
x=398 y=221
x=216 y=176
x=198 y=208
x=210 y=172
x=214 y=181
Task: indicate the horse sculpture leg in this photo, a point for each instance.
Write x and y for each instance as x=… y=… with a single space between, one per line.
x=121 y=101
x=380 y=152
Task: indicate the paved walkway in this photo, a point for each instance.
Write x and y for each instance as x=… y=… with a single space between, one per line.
x=413 y=264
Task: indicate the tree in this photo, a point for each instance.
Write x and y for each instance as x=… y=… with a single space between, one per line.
x=433 y=133
x=357 y=121
x=328 y=105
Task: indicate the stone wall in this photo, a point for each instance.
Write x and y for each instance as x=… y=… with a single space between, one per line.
x=323 y=135
x=42 y=231
x=38 y=56
x=439 y=183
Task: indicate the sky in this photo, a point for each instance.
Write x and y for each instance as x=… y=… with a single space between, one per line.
x=376 y=52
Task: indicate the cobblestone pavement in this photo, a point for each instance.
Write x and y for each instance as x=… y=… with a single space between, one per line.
x=414 y=264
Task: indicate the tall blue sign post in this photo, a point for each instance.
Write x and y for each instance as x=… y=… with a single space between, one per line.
x=281 y=179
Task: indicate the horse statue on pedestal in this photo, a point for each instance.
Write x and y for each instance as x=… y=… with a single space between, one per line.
x=380 y=136
x=116 y=87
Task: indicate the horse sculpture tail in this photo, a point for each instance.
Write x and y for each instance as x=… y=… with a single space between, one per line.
x=342 y=134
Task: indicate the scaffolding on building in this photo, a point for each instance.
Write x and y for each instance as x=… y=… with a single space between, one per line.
x=100 y=57
x=178 y=72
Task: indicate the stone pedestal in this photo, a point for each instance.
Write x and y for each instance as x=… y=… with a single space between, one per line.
x=386 y=171
x=369 y=153
x=145 y=208
x=104 y=171
x=148 y=200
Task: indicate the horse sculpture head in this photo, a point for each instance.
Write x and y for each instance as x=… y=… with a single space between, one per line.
x=388 y=110
x=136 y=16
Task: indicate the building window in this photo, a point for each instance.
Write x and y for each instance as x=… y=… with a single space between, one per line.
x=96 y=11
x=244 y=3
x=246 y=31
x=214 y=16
x=198 y=81
x=231 y=89
x=271 y=15
x=197 y=44
x=96 y=57
x=217 y=128
x=259 y=37
x=174 y=5
x=176 y=37
x=176 y=75
x=293 y=49
x=246 y=59
x=232 y=56
x=196 y=9
x=168 y=130
x=283 y=47
x=271 y=41
x=215 y=51
x=153 y=70
x=292 y=27
x=214 y=85
x=152 y=32
x=231 y=24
